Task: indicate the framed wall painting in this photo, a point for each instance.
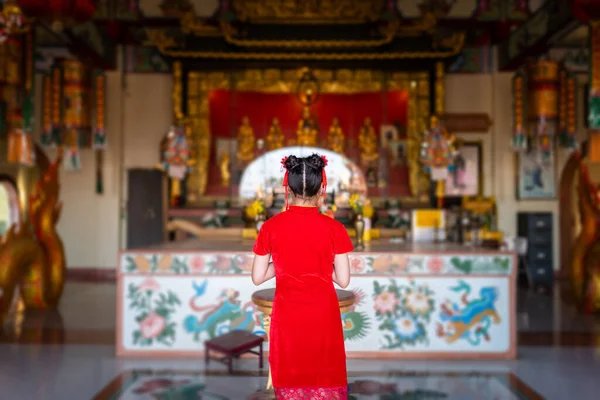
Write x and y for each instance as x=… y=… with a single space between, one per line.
x=536 y=176
x=467 y=177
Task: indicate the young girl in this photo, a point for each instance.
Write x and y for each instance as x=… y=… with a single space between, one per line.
x=309 y=252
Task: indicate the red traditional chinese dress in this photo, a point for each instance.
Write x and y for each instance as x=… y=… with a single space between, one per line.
x=306 y=352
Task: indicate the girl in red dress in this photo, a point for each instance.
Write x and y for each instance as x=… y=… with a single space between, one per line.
x=309 y=252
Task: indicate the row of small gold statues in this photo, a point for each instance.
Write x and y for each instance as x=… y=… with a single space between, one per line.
x=307 y=134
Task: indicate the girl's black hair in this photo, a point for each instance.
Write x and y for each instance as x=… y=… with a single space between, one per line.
x=305 y=175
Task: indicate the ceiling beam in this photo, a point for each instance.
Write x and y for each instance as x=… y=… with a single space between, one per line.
x=79 y=49
x=535 y=37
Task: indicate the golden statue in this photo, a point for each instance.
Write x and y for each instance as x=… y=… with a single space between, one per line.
x=32 y=253
x=224 y=164
x=336 y=137
x=275 y=139
x=308 y=130
x=246 y=141
x=367 y=142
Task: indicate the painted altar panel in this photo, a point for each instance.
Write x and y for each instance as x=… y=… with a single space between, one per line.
x=419 y=316
x=240 y=263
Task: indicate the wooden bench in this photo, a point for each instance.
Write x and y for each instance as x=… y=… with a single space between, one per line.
x=232 y=345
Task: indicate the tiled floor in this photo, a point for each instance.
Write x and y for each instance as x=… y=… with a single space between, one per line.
x=70 y=355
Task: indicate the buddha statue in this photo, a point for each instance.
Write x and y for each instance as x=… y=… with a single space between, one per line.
x=224 y=165
x=274 y=139
x=246 y=141
x=307 y=131
x=336 y=137
x=367 y=142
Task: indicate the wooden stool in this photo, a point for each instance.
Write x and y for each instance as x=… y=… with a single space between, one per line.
x=233 y=345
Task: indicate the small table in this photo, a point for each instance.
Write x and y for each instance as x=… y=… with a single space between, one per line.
x=264 y=303
x=233 y=345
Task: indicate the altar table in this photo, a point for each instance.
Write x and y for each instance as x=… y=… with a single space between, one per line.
x=414 y=301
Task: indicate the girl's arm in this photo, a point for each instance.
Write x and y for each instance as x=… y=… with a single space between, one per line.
x=341 y=270
x=262 y=269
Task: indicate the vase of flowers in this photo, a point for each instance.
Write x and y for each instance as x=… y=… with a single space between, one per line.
x=363 y=213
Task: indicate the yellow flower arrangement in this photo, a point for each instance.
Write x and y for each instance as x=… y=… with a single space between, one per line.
x=255 y=209
x=368 y=211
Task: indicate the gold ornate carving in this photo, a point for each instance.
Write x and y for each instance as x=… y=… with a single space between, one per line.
x=308 y=11
x=169 y=46
x=285 y=81
x=440 y=96
x=192 y=24
x=32 y=253
x=177 y=91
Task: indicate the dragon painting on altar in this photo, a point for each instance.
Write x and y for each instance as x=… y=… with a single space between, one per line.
x=32 y=256
x=469 y=320
x=227 y=314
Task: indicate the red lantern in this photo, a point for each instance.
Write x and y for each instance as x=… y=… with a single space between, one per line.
x=59 y=11
x=585 y=10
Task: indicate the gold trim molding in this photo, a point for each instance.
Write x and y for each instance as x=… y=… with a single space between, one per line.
x=200 y=84
x=308 y=11
x=168 y=46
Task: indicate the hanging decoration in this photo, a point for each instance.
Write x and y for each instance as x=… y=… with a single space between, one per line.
x=99 y=142
x=543 y=104
x=594 y=96
x=99 y=131
x=56 y=107
x=543 y=108
x=176 y=160
x=76 y=101
x=519 y=141
x=27 y=151
x=72 y=160
x=47 y=113
x=567 y=115
x=437 y=155
x=12 y=20
x=75 y=113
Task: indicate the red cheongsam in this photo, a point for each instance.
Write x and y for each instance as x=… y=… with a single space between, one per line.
x=306 y=352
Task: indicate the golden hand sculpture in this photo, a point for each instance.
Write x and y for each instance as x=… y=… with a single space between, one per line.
x=274 y=139
x=307 y=131
x=367 y=142
x=336 y=137
x=246 y=141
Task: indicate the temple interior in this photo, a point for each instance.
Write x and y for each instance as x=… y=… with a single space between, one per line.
x=141 y=145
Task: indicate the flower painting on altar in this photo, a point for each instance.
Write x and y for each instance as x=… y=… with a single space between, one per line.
x=154 y=310
x=403 y=312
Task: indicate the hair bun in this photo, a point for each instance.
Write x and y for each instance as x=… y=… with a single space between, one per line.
x=316 y=161
x=292 y=162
